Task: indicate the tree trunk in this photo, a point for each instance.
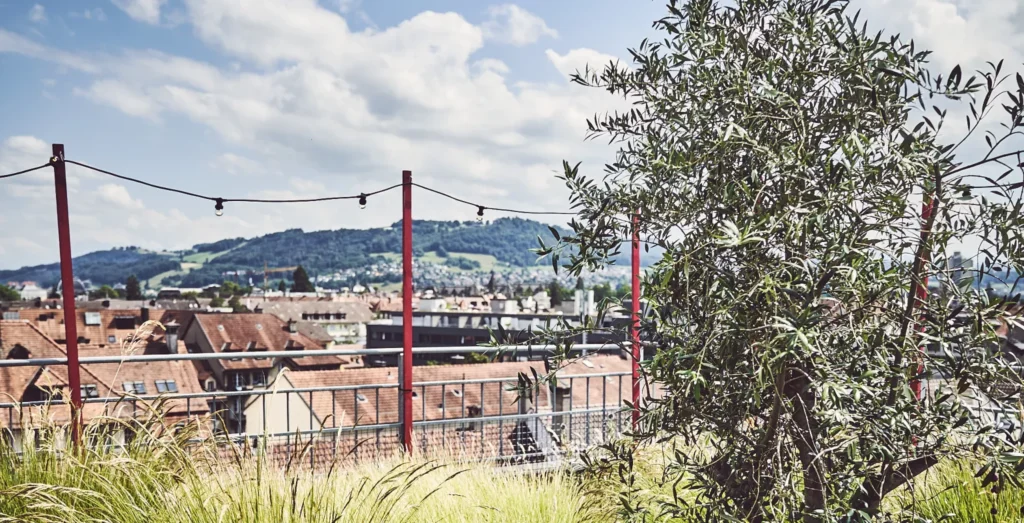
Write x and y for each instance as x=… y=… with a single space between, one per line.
x=805 y=437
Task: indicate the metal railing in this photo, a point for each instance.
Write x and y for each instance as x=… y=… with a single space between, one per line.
x=489 y=418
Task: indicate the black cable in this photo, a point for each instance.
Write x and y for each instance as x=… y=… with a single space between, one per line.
x=135 y=180
x=239 y=200
x=309 y=200
x=25 y=171
x=361 y=196
x=482 y=207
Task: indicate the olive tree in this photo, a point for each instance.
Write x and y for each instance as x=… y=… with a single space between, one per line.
x=807 y=180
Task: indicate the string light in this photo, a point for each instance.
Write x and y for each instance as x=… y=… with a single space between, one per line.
x=219 y=202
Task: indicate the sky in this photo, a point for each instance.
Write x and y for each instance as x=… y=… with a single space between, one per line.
x=300 y=98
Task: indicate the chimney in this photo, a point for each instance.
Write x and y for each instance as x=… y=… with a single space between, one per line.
x=144 y=313
x=171 y=335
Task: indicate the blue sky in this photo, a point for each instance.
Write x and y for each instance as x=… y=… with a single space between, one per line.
x=299 y=98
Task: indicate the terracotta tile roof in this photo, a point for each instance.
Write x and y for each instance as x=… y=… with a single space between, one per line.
x=119 y=323
x=108 y=379
x=267 y=332
x=23 y=335
x=380 y=405
x=608 y=391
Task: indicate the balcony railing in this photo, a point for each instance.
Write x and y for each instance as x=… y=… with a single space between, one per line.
x=491 y=418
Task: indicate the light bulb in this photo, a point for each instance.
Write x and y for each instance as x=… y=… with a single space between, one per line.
x=218 y=208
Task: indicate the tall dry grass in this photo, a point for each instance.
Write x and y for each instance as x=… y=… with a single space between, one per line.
x=164 y=476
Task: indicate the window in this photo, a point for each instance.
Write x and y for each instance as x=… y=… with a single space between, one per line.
x=172 y=386
x=111 y=339
x=19 y=352
x=92 y=318
x=90 y=391
x=128 y=387
x=140 y=387
x=211 y=385
x=360 y=398
x=161 y=386
x=259 y=379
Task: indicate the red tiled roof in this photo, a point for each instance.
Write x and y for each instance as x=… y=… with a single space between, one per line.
x=268 y=332
x=108 y=379
x=381 y=404
x=14 y=380
x=605 y=391
x=51 y=323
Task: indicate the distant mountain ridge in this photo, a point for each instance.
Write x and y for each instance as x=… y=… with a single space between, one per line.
x=509 y=240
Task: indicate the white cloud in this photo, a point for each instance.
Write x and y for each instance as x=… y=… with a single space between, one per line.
x=579 y=60
x=239 y=165
x=147 y=11
x=346 y=6
x=117 y=195
x=13 y=43
x=511 y=24
x=338 y=111
x=96 y=14
x=120 y=96
x=37 y=14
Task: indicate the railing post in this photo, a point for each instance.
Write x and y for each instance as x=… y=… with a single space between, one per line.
x=634 y=325
x=406 y=361
x=67 y=278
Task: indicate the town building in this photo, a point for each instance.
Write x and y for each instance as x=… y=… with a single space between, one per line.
x=344 y=322
x=34 y=398
x=250 y=333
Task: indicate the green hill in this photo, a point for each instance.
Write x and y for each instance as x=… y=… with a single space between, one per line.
x=508 y=240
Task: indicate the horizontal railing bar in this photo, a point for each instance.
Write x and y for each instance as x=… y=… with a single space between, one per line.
x=477 y=381
x=282 y=354
x=510 y=417
x=264 y=392
x=237 y=437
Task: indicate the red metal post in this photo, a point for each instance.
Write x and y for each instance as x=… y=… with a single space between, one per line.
x=407 y=310
x=922 y=288
x=634 y=328
x=67 y=279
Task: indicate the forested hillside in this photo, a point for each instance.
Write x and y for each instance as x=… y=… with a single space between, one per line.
x=509 y=240
x=102 y=267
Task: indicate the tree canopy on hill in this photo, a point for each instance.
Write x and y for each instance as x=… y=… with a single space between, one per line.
x=509 y=240
x=218 y=246
x=102 y=267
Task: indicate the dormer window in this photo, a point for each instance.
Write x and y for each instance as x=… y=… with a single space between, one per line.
x=163 y=386
x=251 y=346
x=18 y=353
x=90 y=391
